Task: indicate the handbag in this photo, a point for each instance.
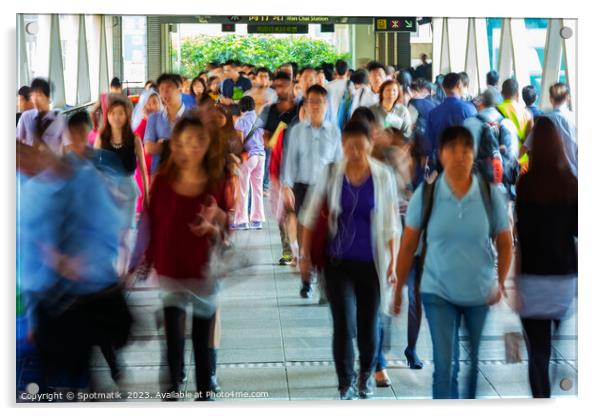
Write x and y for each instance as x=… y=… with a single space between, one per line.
x=319 y=235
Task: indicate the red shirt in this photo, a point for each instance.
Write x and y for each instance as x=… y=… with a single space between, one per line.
x=174 y=250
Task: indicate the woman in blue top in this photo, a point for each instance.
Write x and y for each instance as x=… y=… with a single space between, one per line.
x=363 y=230
x=459 y=273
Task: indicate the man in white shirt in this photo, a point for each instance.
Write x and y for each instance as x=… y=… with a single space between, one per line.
x=337 y=87
x=368 y=96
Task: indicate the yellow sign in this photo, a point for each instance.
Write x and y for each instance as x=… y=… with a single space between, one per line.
x=381 y=24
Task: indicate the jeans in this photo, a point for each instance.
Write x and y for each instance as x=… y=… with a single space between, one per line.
x=444 y=320
x=538 y=337
x=414 y=319
x=414 y=304
x=175 y=324
x=354 y=294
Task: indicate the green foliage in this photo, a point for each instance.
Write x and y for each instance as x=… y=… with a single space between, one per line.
x=266 y=51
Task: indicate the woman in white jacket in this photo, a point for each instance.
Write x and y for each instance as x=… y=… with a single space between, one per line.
x=363 y=235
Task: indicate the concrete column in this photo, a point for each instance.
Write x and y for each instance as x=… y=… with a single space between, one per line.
x=22 y=61
x=570 y=58
x=404 y=50
x=103 y=71
x=153 y=47
x=83 y=68
x=505 y=64
x=551 y=62
x=55 y=64
x=364 y=42
x=117 y=43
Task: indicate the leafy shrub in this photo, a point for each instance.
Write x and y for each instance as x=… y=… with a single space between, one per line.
x=266 y=51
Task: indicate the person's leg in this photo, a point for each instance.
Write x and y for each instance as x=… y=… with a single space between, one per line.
x=367 y=294
x=442 y=318
x=538 y=337
x=241 y=215
x=175 y=325
x=381 y=363
x=342 y=306
x=474 y=318
x=214 y=340
x=201 y=329
x=414 y=315
x=257 y=211
x=266 y=175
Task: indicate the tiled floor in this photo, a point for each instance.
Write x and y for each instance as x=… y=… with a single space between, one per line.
x=278 y=344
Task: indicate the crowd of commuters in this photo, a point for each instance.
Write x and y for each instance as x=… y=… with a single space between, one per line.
x=378 y=179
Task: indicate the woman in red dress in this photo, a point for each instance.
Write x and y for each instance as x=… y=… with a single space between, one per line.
x=188 y=217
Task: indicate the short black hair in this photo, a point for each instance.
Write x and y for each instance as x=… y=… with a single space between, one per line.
x=317 y=89
x=40 y=85
x=451 y=80
x=510 y=88
x=264 y=69
x=305 y=69
x=487 y=99
x=456 y=134
x=175 y=79
x=25 y=92
x=359 y=77
x=282 y=75
x=328 y=69
x=373 y=65
x=365 y=114
x=341 y=67
x=464 y=78
x=115 y=83
x=529 y=95
x=493 y=78
x=420 y=84
x=231 y=62
x=357 y=127
x=79 y=118
x=246 y=103
x=405 y=79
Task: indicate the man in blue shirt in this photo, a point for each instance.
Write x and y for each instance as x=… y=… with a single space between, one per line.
x=452 y=112
x=312 y=145
x=40 y=124
x=529 y=97
x=234 y=85
x=160 y=124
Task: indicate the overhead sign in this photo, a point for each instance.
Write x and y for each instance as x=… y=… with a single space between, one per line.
x=290 y=19
x=394 y=24
x=272 y=28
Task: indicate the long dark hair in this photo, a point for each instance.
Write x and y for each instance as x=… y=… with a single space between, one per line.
x=106 y=134
x=214 y=161
x=549 y=179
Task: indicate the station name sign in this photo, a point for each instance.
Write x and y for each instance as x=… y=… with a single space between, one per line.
x=272 y=28
x=289 y=19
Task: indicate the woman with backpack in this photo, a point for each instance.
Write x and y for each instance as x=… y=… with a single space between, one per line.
x=457 y=216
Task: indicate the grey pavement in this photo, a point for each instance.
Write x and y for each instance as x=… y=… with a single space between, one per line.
x=277 y=346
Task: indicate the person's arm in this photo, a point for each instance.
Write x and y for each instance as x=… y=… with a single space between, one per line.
x=152 y=144
x=142 y=166
x=503 y=242
x=308 y=216
x=97 y=142
x=405 y=259
x=290 y=169
x=406 y=126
